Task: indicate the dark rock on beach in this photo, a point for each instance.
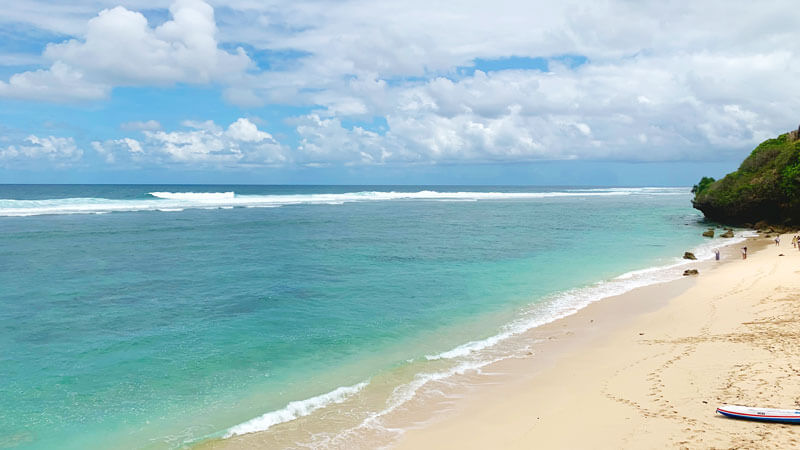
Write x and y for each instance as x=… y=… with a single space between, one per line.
x=688 y=272
x=709 y=233
x=689 y=255
x=727 y=234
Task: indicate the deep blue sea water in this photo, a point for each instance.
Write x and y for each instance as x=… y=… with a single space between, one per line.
x=129 y=319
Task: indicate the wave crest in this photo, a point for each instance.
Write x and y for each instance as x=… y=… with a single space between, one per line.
x=193 y=195
x=295 y=410
x=171 y=201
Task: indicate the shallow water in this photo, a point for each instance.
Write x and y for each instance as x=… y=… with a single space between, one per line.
x=139 y=320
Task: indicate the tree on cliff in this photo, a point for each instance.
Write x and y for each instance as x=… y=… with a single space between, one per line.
x=704 y=183
x=766 y=187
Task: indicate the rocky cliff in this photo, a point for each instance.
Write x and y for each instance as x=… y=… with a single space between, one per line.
x=765 y=188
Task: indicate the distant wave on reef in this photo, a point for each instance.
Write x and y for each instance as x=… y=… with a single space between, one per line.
x=178 y=201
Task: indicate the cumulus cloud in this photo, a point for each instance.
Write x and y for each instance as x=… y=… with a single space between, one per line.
x=120 y=48
x=660 y=82
x=656 y=81
x=59 y=151
x=643 y=110
x=200 y=144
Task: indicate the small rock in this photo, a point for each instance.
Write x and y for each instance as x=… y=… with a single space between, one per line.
x=689 y=255
x=727 y=234
x=688 y=272
x=780 y=254
x=709 y=233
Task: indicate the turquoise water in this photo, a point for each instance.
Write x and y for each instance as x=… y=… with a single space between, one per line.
x=134 y=320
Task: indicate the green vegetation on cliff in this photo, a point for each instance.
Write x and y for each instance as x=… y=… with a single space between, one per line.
x=765 y=188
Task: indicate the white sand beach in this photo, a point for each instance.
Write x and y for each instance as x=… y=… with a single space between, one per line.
x=650 y=379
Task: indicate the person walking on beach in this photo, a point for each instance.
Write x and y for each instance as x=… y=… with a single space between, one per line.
x=716 y=254
x=777 y=240
x=744 y=252
x=794 y=241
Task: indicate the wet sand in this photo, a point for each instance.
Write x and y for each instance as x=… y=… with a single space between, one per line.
x=648 y=369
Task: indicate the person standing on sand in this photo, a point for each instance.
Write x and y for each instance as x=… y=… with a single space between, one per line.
x=716 y=254
x=777 y=240
x=744 y=252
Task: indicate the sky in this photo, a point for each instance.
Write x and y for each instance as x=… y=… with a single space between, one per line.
x=614 y=92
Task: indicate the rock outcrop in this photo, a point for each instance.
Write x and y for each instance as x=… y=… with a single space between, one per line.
x=689 y=255
x=688 y=272
x=765 y=188
x=709 y=233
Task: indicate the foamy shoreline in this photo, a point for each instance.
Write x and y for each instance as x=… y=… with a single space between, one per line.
x=654 y=378
x=473 y=358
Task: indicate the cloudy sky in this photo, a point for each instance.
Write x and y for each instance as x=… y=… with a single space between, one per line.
x=307 y=91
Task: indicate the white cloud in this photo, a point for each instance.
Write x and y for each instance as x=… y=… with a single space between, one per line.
x=55 y=150
x=244 y=130
x=58 y=83
x=202 y=144
x=662 y=81
x=120 y=48
x=149 y=125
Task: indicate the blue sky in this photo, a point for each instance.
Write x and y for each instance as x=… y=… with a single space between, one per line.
x=193 y=91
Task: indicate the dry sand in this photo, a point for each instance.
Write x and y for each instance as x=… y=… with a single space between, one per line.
x=627 y=378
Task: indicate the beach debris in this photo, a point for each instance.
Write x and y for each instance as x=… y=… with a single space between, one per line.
x=727 y=234
x=689 y=255
x=780 y=254
x=688 y=272
x=709 y=233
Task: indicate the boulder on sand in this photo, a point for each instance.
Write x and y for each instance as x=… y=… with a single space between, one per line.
x=689 y=255
x=727 y=234
x=709 y=233
x=688 y=272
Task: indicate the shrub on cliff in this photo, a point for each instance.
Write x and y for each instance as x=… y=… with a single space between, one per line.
x=766 y=187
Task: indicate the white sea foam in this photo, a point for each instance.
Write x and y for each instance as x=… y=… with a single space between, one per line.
x=573 y=300
x=475 y=355
x=197 y=196
x=637 y=190
x=406 y=392
x=295 y=410
x=169 y=201
x=400 y=396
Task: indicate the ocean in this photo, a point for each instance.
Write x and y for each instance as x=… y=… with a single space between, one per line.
x=142 y=316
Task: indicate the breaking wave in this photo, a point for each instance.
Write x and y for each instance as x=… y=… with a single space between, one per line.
x=569 y=302
x=174 y=201
x=295 y=410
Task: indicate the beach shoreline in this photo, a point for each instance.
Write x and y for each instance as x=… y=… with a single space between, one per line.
x=626 y=376
x=422 y=418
